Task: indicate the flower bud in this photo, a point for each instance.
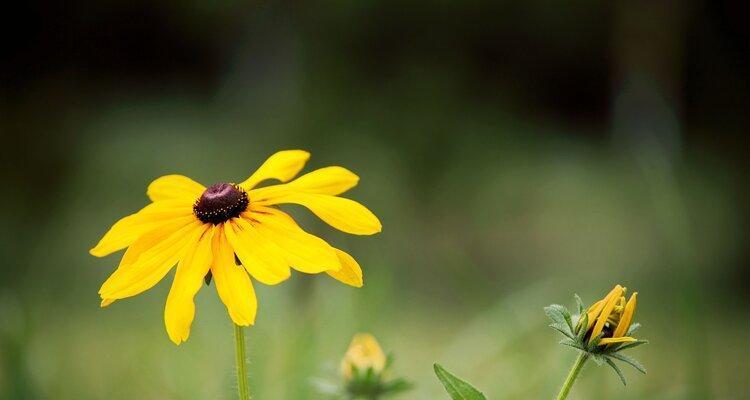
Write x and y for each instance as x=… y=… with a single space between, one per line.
x=610 y=318
x=364 y=353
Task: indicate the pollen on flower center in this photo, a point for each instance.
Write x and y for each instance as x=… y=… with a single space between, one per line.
x=220 y=202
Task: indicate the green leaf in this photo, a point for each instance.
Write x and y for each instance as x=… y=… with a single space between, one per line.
x=617 y=371
x=628 y=360
x=456 y=388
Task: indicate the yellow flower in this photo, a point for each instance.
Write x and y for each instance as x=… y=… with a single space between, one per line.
x=210 y=230
x=364 y=353
x=611 y=315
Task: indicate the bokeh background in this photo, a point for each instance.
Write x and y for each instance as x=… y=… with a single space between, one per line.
x=516 y=153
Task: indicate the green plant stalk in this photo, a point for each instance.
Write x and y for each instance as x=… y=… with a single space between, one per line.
x=572 y=375
x=240 y=360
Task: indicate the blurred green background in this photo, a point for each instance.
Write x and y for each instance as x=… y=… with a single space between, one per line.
x=515 y=154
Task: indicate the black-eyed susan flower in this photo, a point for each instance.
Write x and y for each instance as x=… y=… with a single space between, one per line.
x=600 y=331
x=233 y=233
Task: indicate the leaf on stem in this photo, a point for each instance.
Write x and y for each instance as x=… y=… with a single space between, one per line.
x=457 y=388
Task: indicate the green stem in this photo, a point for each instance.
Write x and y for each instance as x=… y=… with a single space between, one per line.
x=572 y=375
x=239 y=346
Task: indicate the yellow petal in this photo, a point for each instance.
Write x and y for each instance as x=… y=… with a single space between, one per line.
x=125 y=231
x=146 y=242
x=343 y=214
x=329 y=180
x=622 y=339
x=303 y=251
x=232 y=282
x=179 y=310
x=611 y=300
x=260 y=257
x=627 y=317
x=267 y=194
x=132 y=278
x=171 y=187
x=282 y=166
x=593 y=312
x=350 y=272
x=597 y=307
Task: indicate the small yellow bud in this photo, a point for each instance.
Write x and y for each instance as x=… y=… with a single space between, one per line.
x=364 y=352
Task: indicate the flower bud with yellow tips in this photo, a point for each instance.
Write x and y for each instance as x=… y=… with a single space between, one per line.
x=364 y=353
x=364 y=373
x=600 y=331
x=610 y=318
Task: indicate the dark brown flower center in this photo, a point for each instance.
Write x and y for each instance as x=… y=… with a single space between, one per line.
x=220 y=202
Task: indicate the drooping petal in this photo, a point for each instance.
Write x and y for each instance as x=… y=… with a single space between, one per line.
x=329 y=180
x=232 y=282
x=627 y=316
x=350 y=272
x=171 y=187
x=260 y=257
x=303 y=251
x=343 y=214
x=179 y=310
x=125 y=231
x=136 y=275
x=283 y=166
x=611 y=300
x=621 y=339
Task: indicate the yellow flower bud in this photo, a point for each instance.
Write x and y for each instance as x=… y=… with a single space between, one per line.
x=364 y=353
x=611 y=316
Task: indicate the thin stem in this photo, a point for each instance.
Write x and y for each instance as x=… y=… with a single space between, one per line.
x=572 y=375
x=239 y=341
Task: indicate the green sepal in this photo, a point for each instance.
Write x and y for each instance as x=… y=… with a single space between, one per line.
x=632 y=344
x=633 y=328
x=594 y=343
x=572 y=343
x=630 y=361
x=582 y=330
x=579 y=304
x=598 y=359
x=559 y=314
x=561 y=319
x=564 y=329
x=617 y=370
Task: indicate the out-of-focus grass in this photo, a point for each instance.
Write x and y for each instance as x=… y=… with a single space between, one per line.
x=480 y=232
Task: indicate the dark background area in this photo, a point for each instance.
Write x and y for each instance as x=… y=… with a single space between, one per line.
x=513 y=151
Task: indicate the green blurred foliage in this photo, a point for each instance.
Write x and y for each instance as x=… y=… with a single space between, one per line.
x=484 y=140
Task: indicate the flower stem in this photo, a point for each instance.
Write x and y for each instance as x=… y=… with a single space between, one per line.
x=239 y=346
x=572 y=375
